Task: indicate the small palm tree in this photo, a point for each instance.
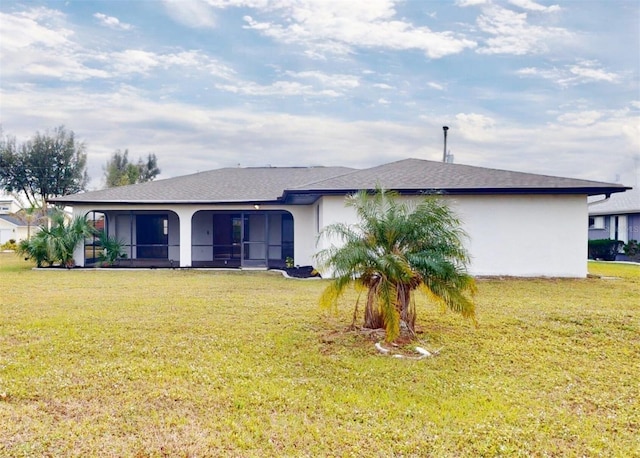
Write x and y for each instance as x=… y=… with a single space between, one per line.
x=398 y=248
x=58 y=242
x=65 y=235
x=111 y=249
x=35 y=248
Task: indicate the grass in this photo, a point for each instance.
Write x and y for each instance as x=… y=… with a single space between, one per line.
x=202 y=363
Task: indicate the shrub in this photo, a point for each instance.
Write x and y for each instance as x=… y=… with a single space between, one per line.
x=604 y=249
x=9 y=245
x=632 y=249
x=111 y=250
x=56 y=244
x=36 y=249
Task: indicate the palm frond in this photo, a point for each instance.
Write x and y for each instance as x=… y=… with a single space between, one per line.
x=333 y=292
x=387 y=294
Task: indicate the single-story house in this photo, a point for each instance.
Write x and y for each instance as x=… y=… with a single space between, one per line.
x=12 y=228
x=616 y=217
x=519 y=224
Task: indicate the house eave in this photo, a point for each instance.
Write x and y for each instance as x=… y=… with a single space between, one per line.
x=615 y=212
x=311 y=195
x=165 y=202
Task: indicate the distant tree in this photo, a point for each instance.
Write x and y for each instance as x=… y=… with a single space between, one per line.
x=149 y=169
x=119 y=171
x=47 y=165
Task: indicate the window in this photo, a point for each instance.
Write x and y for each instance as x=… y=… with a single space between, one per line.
x=596 y=222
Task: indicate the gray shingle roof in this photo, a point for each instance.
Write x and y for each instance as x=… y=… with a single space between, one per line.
x=251 y=184
x=269 y=184
x=13 y=220
x=414 y=174
x=624 y=202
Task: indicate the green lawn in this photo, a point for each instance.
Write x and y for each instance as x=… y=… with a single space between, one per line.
x=203 y=363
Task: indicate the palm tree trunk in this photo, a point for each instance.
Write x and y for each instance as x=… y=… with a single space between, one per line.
x=406 y=309
x=372 y=314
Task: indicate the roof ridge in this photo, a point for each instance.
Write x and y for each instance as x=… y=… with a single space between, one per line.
x=326 y=179
x=354 y=170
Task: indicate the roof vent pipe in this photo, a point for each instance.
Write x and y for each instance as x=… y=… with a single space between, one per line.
x=444 y=152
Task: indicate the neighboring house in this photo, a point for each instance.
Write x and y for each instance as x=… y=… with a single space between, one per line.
x=616 y=218
x=8 y=205
x=11 y=228
x=519 y=224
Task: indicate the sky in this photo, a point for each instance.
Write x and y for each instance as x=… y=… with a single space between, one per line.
x=550 y=87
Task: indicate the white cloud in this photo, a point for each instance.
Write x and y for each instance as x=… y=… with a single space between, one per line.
x=112 y=22
x=465 y=3
x=583 y=71
x=512 y=34
x=586 y=70
x=580 y=118
x=133 y=61
x=337 y=27
x=48 y=68
x=191 y=13
x=630 y=128
x=38 y=43
x=383 y=86
x=24 y=29
x=533 y=6
x=331 y=80
x=213 y=137
x=277 y=88
x=475 y=127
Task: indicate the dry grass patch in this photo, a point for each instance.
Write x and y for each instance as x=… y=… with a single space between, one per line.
x=202 y=363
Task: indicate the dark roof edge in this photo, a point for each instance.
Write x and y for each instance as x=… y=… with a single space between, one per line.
x=591 y=191
x=622 y=211
x=165 y=202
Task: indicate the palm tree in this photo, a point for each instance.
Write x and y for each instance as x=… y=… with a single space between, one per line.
x=65 y=235
x=111 y=249
x=58 y=242
x=398 y=248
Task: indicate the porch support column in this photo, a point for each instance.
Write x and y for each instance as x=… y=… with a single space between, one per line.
x=78 y=252
x=185 y=215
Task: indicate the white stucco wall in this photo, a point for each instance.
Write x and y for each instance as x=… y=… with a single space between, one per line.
x=516 y=235
x=526 y=235
x=9 y=231
x=513 y=235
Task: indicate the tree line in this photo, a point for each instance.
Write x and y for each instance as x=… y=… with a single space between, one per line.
x=54 y=163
